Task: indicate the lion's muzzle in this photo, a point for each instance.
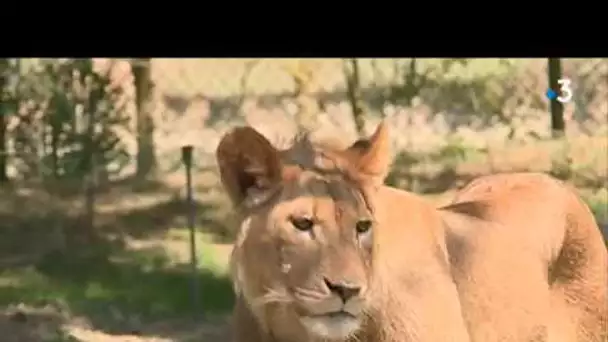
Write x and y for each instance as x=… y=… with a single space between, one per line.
x=337 y=314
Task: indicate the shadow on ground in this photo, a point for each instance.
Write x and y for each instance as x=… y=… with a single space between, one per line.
x=97 y=277
x=154 y=219
x=116 y=291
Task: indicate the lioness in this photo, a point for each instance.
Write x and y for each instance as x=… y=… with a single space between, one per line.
x=326 y=252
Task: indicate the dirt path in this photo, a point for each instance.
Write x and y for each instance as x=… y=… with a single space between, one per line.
x=48 y=325
x=217 y=331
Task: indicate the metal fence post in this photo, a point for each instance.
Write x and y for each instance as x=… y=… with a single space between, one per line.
x=187 y=160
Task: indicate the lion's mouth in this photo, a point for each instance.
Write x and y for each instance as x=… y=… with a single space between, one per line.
x=335 y=314
x=334 y=325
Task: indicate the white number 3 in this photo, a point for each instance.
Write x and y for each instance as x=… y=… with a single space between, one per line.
x=565 y=90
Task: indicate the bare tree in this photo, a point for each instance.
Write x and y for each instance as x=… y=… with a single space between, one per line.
x=244 y=81
x=353 y=92
x=146 y=158
x=4 y=65
x=303 y=73
x=558 y=126
x=411 y=81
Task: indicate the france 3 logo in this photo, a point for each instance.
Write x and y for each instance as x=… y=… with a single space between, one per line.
x=564 y=94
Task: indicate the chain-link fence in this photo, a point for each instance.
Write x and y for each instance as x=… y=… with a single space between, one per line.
x=84 y=124
x=91 y=148
x=480 y=102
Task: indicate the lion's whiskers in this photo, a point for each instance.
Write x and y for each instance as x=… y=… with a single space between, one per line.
x=272 y=295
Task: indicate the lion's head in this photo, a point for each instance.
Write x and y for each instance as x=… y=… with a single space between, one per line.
x=305 y=243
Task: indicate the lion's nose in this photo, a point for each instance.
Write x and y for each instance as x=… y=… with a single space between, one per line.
x=343 y=289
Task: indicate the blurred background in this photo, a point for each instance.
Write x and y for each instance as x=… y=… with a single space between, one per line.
x=93 y=238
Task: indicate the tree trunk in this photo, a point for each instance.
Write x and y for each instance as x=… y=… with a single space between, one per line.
x=353 y=84
x=411 y=82
x=55 y=128
x=3 y=121
x=303 y=74
x=90 y=160
x=558 y=126
x=146 y=158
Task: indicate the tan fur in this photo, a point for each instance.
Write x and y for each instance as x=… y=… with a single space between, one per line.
x=515 y=257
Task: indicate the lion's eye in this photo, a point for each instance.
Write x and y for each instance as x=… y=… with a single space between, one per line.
x=302 y=223
x=363 y=226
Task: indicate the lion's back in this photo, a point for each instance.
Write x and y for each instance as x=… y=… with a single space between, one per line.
x=528 y=259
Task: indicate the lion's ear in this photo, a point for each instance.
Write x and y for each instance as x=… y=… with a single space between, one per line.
x=249 y=166
x=372 y=156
